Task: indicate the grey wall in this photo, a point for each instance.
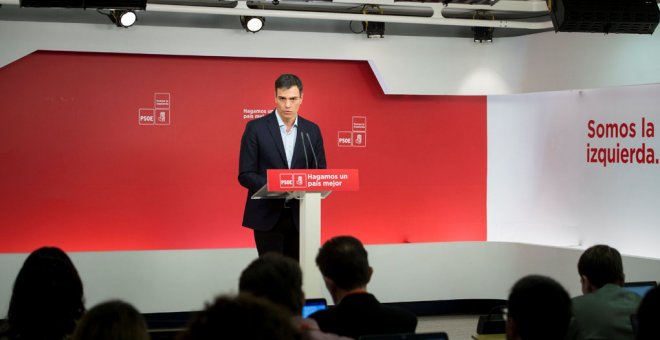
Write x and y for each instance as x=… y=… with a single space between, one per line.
x=404 y=65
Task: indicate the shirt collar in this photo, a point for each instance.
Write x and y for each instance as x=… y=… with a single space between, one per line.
x=280 y=122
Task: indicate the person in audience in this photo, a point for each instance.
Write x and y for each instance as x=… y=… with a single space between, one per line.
x=47 y=298
x=275 y=278
x=344 y=263
x=112 y=320
x=539 y=308
x=242 y=317
x=278 y=279
x=605 y=309
x=648 y=316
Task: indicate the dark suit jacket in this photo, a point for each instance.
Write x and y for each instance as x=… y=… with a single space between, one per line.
x=361 y=314
x=262 y=148
x=603 y=314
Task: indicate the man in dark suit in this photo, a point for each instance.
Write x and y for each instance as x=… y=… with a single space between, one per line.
x=279 y=140
x=345 y=267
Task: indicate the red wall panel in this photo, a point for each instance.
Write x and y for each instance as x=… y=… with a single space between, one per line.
x=79 y=172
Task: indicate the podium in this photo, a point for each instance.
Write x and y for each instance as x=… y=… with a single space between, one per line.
x=309 y=186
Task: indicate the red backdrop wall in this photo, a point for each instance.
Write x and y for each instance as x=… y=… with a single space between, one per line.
x=77 y=170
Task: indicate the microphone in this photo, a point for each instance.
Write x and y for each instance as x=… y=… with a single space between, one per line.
x=305 y=149
x=316 y=161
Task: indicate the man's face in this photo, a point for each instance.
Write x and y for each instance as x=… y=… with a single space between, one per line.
x=288 y=102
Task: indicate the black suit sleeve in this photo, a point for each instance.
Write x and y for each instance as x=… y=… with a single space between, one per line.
x=248 y=164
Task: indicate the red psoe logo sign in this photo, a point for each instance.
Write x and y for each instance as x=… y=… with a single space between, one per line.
x=359 y=124
x=359 y=139
x=161 y=101
x=344 y=138
x=293 y=181
x=146 y=117
x=162 y=117
x=160 y=114
x=315 y=180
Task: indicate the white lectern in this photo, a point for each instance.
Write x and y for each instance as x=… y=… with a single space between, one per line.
x=310 y=234
x=310 y=187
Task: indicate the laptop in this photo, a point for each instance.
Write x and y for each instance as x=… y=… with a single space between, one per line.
x=640 y=288
x=408 y=336
x=313 y=305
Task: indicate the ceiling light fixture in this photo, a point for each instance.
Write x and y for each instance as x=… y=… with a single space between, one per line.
x=483 y=34
x=252 y=24
x=374 y=29
x=123 y=17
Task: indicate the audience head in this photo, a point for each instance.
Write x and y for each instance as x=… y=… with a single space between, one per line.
x=242 y=317
x=47 y=298
x=539 y=308
x=648 y=316
x=344 y=263
x=112 y=320
x=277 y=278
x=598 y=266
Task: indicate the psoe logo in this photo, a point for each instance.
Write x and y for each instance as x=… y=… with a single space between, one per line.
x=286 y=181
x=293 y=181
x=359 y=124
x=344 y=138
x=300 y=180
x=161 y=100
x=162 y=117
x=360 y=139
x=146 y=117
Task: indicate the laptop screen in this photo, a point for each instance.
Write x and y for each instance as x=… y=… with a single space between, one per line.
x=313 y=305
x=639 y=288
x=408 y=336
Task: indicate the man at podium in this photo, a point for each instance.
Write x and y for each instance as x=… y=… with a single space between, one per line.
x=279 y=140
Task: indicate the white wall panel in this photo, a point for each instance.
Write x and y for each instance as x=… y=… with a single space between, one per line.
x=542 y=190
x=171 y=281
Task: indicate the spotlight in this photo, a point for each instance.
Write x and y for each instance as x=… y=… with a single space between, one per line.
x=630 y=16
x=252 y=24
x=483 y=34
x=123 y=18
x=374 y=29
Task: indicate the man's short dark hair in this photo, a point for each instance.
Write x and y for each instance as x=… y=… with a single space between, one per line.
x=648 y=315
x=275 y=277
x=111 y=320
x=241 y=317
x=286 y=81
x=540 y=308
x=344 y=260
x=601 y=264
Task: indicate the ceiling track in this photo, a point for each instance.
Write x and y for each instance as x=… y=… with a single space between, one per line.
x=241 y=9
x=436 y=19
